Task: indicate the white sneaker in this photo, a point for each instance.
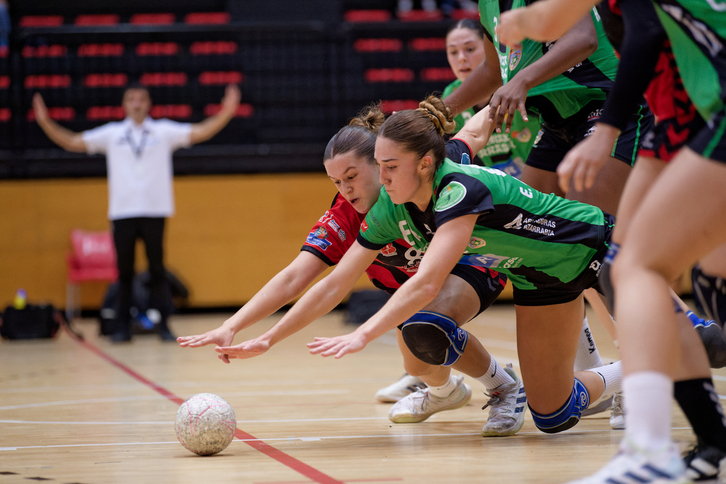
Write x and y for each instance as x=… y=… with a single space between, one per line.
x=405 y=385
x=599 y=405
x=617 y=413
x=420 y=405
x=631 y=465
x=507 y=404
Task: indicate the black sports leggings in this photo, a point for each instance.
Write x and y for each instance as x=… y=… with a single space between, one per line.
x=125 y=232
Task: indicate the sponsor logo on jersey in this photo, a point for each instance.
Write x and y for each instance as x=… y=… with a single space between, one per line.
x=319 y=238
x=389 y=250
x=573 y=68
x=514 y=57
x=538 y=138
x=491 y=261
x=450 y=196
x=541 y=225
x=590 y=131
x=363 y=226
x=336 y=228
x=595 y=266
x=476 y=242
x=596 y=114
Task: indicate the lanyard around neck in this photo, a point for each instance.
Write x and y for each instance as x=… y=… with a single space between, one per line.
x=137 y=149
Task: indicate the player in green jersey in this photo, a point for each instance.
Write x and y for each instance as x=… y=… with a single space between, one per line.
x=550 y=248
x=684 y=200
x=504 y=151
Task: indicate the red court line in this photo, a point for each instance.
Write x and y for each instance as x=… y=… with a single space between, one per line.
x=281 y=457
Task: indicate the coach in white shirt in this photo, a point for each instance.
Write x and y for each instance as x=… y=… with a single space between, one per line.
x=140 y=193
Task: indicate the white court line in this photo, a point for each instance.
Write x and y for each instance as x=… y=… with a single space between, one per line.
x=305 y=439
x=39 y=422
x=161 y=397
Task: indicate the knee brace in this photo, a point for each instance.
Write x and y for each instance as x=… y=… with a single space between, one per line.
x=568 y=415
x=434 y=338
x=605 y=282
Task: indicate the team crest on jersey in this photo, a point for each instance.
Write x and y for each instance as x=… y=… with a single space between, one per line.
x=476 y=242
x=523 y=136
x=389 y=250
x=452 y=194
x=319 y=238
x=514 y=57
x=538 y=138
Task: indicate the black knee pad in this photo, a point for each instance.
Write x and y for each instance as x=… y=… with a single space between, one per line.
x=433 y=338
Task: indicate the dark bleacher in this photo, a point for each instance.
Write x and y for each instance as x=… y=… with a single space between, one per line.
x=301 y=78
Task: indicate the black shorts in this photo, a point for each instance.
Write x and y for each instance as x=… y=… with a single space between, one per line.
x=710 y=141
x=565 y=292
x=554 y=141
x=488 y=284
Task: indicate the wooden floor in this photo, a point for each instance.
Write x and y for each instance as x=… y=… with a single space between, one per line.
x=93 y=412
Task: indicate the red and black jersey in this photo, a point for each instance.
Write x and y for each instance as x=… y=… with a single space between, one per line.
x=336 y=231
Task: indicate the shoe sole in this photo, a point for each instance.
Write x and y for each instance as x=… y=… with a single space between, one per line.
x=414 y=419
x=494 y=433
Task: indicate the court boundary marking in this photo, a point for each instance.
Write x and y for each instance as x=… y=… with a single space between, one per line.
x=260 y=446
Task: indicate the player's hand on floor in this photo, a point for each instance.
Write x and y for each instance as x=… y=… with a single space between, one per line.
x=247 y=349
x=338 y=346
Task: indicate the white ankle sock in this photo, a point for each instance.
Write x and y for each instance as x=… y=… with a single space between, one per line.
x=494 y=376
x=587 y=354
x=444 y=390
x=647 y=400
x=612 y=377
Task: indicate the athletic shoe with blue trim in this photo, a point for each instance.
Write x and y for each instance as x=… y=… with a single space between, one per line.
x=634 y=466
x=507 y=404
x=420 y=405
x=405 y=385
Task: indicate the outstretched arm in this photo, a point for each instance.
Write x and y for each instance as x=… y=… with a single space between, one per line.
x=318 y=301
x=443 y=253
x=542 y=21
x=65 y=138
x=477 y=130
x=280 y=290
x=204 y=130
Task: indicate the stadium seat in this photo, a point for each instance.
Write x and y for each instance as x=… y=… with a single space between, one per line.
x=57 y=113
x=427 y=44
x=389 y=75
x=100 y=50
x=213 y=48
x=207 y=18
x=163 y=79
x=99 y=19
x=152 y=19
x=47 y=81
x=421 y=16
x=92 y=258
x=243 y=110
x=378 y=45
x=220 y=78
x=437 y=74
x=106 y=80
x=157 y=48
x=41 y=21
x=4 y=82
x=105 y=113
x=171 y=111
x=390 y=105
x=5 y=115
x=354 y=16
x=55 y=50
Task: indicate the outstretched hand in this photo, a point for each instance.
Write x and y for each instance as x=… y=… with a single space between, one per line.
x=245 y=350
x=231 y=99
x=220 y=337
x=338 y=346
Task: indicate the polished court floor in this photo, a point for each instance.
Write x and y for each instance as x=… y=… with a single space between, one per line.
x=91 y=412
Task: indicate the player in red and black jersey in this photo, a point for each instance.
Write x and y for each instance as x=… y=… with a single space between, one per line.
x=351 y=166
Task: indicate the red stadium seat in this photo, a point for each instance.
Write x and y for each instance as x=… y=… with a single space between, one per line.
x=173 y=111
x=100 y=50
x=47 y=81
x=56 y=50
x=107 y=19
x=105 y=113
x=354 y=16
x=153 y=18
x=5 y=115
x=437 y=74
x=56 y=113
x=211 y=78
x=378 y=45
x=427 y=44
x=4 y=51
x=207 y=18
x=157 y=48
x=41 y=21
x=243 y=110
x=391 y=105
x=397 y=74
x=4 y=82
x=421 y=16
x=106 y=80
x=213 y=48
x=163 y=79
x=461 y=13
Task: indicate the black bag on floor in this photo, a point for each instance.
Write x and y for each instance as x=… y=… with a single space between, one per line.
x=31 y=322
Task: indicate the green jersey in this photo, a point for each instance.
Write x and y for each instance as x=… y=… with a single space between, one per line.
x=697 y=31
x=538 y=240
x=507 y=152
x=567 y=93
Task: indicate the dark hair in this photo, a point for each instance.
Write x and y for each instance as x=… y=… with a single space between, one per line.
x=359 y=136
x=467 y=23
x=134 y=86
x=421 y=130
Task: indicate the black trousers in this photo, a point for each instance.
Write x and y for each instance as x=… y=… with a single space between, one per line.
x=125 y=233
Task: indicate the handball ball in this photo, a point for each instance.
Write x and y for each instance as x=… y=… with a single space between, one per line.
x=205 y=424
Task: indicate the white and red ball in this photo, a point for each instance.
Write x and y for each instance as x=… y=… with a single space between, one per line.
x=205 y=424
